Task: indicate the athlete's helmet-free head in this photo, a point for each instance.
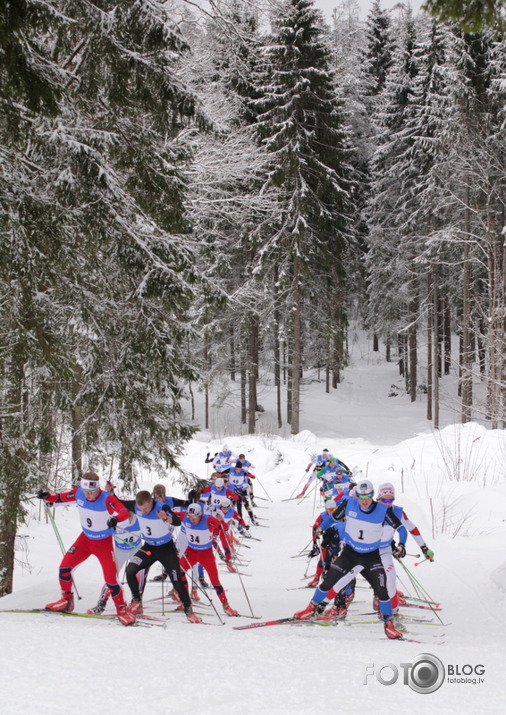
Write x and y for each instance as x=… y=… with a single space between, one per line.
x=225 y=449
x=194 y=510
x=386 y=491
x=364 y=489
x=220 y=482
x=225 y=503
x=325 y=451
x=330 y=504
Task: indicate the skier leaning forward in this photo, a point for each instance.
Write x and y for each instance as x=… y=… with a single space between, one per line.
x=363 y=530
x=99 y=513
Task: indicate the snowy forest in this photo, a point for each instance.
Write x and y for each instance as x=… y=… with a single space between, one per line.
x=191 y=196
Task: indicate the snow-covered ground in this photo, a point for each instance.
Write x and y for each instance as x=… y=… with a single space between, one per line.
x=452 y=484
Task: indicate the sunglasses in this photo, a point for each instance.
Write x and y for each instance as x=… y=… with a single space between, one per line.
x=365 y=496
x=386 y=501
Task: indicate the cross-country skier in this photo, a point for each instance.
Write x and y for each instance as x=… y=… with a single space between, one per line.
x=199 y=530
x=386 y=495
x=223 y=461
x=99 y=513
x=238 y=481
x=362 y=536
x=156 y=521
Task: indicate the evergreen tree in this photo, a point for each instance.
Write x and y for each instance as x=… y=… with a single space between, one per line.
x=96 y=274
x=300 y=124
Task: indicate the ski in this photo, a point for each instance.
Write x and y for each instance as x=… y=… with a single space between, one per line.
x=101 y=617
x=263 y=624
x=421 y=600
x=419 y=605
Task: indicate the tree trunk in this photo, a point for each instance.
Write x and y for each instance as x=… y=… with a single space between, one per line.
x=400 y=353
x=412 y=351
x=435 y=359
x=430 y=366
x=447 y=337
x=467 y=378
x=207 y=361
x=232 y=354
x=297 y=346
x=252 y=372
x=277 y=351
x=244 y=380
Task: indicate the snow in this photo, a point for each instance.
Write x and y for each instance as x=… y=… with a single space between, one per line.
x=452 y=485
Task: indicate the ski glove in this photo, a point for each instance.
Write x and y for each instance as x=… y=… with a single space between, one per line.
x=314 y=551
x=112 y=523
x=427 y=553
x=400 y=551
x=41 y=494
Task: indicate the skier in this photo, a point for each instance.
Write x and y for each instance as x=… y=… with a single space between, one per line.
x=160 y=494
x=214 y=494
x=99 y=513
x=316 y=465
x=223 y=461
x=330 y=507
x=225 y=513
x=126 y=545
x=156 y=520
x=362 y=536
x=248 y=466
x=199 y=530
x=386 y=495
x=332 y=475
x=238 y=481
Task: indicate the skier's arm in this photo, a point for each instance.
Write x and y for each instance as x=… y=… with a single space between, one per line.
x=413 y=530
x=340 y=511
x=116 y=508
x=59 y=497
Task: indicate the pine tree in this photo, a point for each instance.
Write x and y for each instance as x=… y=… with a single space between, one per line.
x=300 y=124
x=96 y=273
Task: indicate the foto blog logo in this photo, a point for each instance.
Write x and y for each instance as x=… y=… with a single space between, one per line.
x=424 y=674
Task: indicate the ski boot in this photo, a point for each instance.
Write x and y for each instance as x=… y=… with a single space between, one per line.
x=99 y=608
x=135 y=606
x=312 y=609
x=390 y=629
x=125 y=616
x=229 y=610
x=64 y=605
x=191 y=616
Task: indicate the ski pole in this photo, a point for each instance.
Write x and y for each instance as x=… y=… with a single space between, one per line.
x=412 y=577
x=431 y=602
x=419 y=563
x=301 y=552
x=298 y=484
x=125 y=541
x=265 y=490
x=60 y=542
x=240 y=579
x=200 y=588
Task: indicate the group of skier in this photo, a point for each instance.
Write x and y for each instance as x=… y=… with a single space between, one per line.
x=141 y=532
x=357 y=532
x=358 y=538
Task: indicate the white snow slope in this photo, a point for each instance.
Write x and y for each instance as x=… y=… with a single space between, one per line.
x=452 y=485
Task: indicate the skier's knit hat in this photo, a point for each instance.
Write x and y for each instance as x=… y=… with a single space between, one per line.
x=219 y=482
x=194 y=510
x=386 y=491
